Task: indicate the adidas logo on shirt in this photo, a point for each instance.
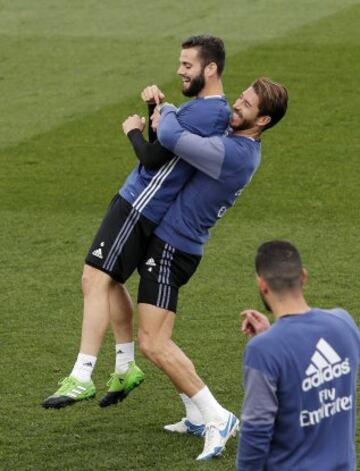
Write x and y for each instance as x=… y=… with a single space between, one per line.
x=98 y=253
x=151 y=262
x=325 y=365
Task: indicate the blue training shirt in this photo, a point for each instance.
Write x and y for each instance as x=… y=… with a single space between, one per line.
x=300 y=389
x=225 y=166
x=151 y=192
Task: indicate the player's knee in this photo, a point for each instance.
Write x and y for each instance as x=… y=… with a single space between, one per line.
x=93 y=280
x=145 y=344
x=149 y=347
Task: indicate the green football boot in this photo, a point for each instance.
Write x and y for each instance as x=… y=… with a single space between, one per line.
x=70 y=391
x=121 y=385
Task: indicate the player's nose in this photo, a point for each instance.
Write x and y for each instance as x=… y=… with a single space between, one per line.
x=237 y=103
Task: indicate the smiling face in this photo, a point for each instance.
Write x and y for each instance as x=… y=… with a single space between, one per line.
x=191 y=72
x=245 y=111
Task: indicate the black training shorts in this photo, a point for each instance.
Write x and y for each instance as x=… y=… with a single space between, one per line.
x=163 y=271
x=121 y=241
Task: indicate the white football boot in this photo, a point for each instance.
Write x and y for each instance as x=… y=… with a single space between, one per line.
x=185 y=426
x=216 y=436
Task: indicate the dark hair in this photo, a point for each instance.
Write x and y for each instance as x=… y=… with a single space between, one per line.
x=279 y=263
x=211 y=49
x=273 y=99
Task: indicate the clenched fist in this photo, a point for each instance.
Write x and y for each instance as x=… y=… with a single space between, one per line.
x=133 y=122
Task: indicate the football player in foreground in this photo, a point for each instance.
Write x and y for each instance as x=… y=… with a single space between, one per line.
x=300 y=375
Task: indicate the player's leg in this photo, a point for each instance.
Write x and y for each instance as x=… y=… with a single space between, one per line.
x=121 y=319
x=96 y=286
x=127 y=375
x=192 y=423
x=96 y=317
x=103 y=272
x=124 y=257
x=155 y=330
x=157 y=298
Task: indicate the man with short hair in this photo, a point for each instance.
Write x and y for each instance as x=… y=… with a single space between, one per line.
x=300 y=375
x=225 y=165
x=133 y=214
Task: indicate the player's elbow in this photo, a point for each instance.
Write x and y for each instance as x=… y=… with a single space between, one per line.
x=166 y=137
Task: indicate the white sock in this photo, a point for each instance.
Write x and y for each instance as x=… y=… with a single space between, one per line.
x=192 y=412
x=124 y=354
x=83 y=367
x=208 y=406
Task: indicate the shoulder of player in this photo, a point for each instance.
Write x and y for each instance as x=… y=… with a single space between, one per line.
x=336 y=312
x=241 y=141
x=265 y=341
x=339 y=311
x=213 y=102
x=264 y=352
x=342 y=315
x=205 y=117
x=243 y=151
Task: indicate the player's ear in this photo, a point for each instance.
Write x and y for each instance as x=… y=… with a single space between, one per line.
x=305 y=276
x=262 y=285
x=211 y=69
x=263 y=120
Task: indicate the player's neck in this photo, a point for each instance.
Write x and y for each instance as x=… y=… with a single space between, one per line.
x=293 y=305
x=252 y=133
x=212 y=87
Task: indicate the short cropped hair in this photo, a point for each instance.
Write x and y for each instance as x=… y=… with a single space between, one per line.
x=273 y=99
x=211 y=49
x=279 y=263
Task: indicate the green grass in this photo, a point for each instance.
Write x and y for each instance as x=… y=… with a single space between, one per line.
x=71 y=74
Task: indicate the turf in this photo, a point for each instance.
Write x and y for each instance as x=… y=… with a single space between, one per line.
x=71 y=74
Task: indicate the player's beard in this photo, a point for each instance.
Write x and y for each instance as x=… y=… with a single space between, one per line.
x=243 y=126
x=265 y=303
x=196 y=85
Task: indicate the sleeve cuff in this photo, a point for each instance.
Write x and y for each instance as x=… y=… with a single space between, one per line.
x=133 y=133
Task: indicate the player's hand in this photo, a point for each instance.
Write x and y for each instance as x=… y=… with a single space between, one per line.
x=152 y=95
x=253 y=322
x=133 y=122
x=155 y=117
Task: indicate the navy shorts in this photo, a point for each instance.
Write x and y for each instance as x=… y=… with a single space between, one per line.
x=163 y=271
x=121 y=241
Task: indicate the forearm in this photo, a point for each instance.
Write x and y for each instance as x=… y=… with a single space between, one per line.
x=151 y=155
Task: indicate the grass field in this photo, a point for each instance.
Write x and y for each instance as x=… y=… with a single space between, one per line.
x=71 y=72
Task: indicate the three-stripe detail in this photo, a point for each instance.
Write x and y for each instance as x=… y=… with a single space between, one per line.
x=74 y=393
x=164 y=293
x=139 y=204
x=121 y=239
x=158 y=179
